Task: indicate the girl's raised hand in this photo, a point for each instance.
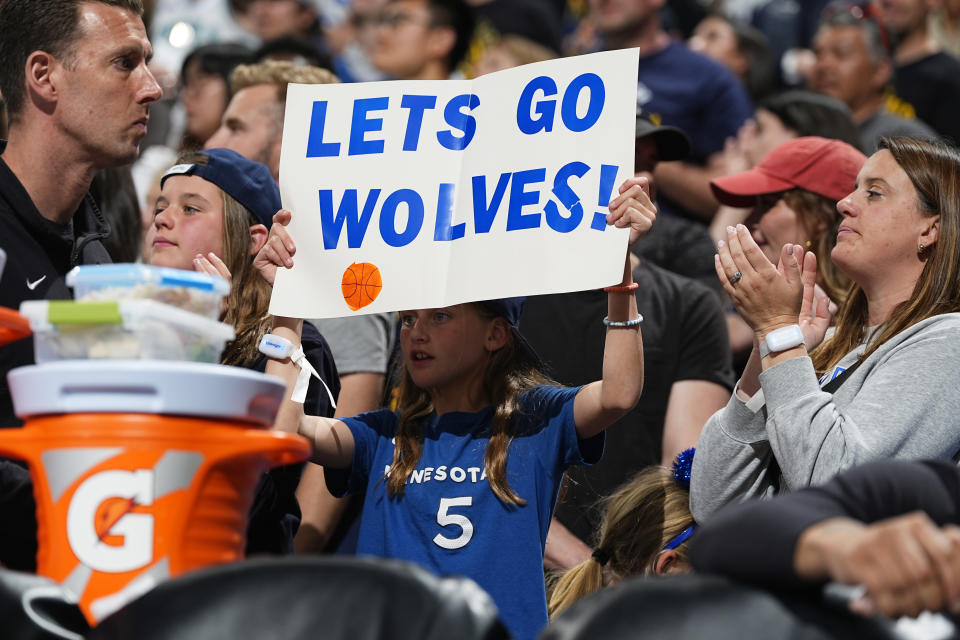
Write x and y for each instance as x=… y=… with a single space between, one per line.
x=633 y=208
x=279 y=248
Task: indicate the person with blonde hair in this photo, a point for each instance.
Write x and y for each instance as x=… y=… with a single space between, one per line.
x=252 y=124
x=883 y=385
x=644 y=532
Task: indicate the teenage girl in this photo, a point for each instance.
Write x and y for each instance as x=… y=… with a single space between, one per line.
x=463 y=477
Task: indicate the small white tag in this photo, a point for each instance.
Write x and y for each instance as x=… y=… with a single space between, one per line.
x=178 y=169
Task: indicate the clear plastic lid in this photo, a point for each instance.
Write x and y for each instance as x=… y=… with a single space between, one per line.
x=130 y=275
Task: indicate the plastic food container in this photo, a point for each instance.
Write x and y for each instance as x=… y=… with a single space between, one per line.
x=187 y=290
x=122 y=330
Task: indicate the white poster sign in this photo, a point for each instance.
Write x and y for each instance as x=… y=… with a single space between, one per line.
x=422 y=194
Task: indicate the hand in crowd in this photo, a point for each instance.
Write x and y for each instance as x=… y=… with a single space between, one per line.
x=907 y=564
x=633 y=207
x=816 y=310
x=766 y=296
x=279 y=248
x=211 y=264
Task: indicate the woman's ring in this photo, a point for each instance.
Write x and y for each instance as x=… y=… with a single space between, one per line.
x=736 y=278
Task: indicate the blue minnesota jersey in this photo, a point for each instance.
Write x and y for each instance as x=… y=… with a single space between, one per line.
x=449 y=520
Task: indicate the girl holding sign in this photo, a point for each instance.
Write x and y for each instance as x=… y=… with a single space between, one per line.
x=463 y=477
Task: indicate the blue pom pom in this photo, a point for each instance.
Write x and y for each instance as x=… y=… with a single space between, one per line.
x=681 y=467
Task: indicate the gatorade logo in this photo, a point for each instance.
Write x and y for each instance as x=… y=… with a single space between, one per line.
x=106 y=527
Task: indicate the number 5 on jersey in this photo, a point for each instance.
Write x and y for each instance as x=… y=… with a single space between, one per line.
x=445 y=518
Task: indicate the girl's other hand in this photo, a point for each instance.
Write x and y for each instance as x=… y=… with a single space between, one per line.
x=633 y=208
x=211 y=264
x=278 y=250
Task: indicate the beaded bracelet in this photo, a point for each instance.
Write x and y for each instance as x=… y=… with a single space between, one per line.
x=622 y=288
x=622 y=324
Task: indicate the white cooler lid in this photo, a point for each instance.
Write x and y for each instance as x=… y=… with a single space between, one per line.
x=145 y=386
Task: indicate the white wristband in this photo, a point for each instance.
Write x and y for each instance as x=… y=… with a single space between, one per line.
x=280 y=349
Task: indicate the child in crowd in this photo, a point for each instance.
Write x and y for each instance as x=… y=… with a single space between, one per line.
x=213 y=214
x=463 y=477
x=644 y=532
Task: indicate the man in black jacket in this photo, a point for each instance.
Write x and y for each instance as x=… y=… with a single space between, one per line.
x=78 y=91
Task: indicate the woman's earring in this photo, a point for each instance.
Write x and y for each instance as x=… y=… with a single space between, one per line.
x=921 y=249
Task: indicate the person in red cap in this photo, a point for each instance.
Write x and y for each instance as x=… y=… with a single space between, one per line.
x=881 y=385
x=794 y=193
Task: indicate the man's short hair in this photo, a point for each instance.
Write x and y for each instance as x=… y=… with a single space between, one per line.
x=278 y=73
x=52 y=26
x=459 y=16
x=866 y=18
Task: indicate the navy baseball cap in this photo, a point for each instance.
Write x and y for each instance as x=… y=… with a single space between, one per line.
x=249 y=183
x=510 y=310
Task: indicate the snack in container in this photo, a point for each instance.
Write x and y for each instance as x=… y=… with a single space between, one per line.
x=122 y=330
x=188 y=290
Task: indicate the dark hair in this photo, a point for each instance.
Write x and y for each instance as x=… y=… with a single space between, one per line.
x=218 y=60
x=39 y=25
x=755 y=48
x=459 y=16
x=116 y=197
x=813 y=114
x=294 y=49
x=864 y=16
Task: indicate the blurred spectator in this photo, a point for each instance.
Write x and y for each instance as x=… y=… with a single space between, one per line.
x=740 y=48
x=508 y=52
x=422 y=39
x=521 y=31
x=684 y=342
x=205 y=88
x=780 y=117
x=682 y=88
x=644 y=530
x=272 y=19
x=299 y=51
x=793 y=193
x=924 y=76
x=116 y=196
x=853 y=65
x=252 y=125
x=351 y=41
x=180 y=26
x=944 y=25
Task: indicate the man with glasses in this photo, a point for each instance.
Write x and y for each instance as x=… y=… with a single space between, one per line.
x=422 y=39
x=853 y=65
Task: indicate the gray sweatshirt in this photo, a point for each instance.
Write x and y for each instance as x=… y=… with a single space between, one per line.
x=902 y=402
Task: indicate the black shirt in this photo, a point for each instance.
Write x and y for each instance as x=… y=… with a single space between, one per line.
x=932 y=86
x=684 y=338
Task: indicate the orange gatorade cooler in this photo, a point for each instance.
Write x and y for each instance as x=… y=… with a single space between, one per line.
x=142 y=470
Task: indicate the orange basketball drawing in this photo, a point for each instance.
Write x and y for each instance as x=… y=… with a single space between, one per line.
x=361 y=284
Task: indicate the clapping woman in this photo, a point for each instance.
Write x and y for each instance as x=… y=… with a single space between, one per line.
x=883 y=384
